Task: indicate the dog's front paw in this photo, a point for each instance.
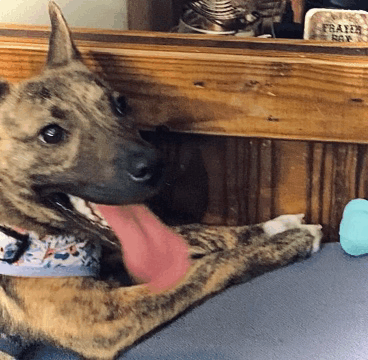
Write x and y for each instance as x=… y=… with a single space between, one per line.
x=290 y=222
x=283 y=223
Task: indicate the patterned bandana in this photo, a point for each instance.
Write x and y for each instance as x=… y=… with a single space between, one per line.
x=25 y=254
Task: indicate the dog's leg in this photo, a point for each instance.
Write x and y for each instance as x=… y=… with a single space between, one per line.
x=204 y=239
x=4 y=356
x=97 y=321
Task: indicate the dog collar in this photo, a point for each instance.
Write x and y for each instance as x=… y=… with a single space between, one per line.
x=26 y=255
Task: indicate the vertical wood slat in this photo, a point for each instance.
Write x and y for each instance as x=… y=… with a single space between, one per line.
x=333 y=182
x=252 y=188
x=266 y=190
x=290 y=177
x=240 y=180
x=315 y=186
x=362 y=176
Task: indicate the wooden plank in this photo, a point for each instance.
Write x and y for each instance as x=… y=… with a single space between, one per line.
x=315 y=190
x=290 y=177
x=362 y=174
x=256 y=88
x=335 y=177
x=36 y=35
x=240 y=175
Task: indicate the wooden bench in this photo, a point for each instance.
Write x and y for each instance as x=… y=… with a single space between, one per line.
x=270 y=126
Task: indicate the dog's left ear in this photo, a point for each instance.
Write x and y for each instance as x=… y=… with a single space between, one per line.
x=62 y=49
x=4 y=90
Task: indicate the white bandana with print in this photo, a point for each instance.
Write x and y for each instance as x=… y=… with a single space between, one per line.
x=52 y=256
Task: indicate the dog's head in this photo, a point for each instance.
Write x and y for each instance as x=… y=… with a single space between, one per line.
x=66 y=132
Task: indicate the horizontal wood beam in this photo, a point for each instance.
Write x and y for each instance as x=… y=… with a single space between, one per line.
x=282 y=89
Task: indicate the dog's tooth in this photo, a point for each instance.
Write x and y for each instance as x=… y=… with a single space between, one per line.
x=80 y=205
x=89 y=210
x=98 y=216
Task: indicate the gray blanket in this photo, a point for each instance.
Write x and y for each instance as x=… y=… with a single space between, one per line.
x=315 y=309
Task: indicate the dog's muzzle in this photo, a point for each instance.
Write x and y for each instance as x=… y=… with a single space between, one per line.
x=135 y=174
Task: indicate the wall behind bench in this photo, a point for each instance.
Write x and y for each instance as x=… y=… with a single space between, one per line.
x=110 y=14
x=154 y=15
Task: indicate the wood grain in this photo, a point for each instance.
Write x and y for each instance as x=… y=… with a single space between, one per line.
x=253 y=88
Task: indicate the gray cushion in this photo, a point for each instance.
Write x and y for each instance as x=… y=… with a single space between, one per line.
x=315 y=309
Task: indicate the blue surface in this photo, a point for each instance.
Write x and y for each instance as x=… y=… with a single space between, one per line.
x=315 y=309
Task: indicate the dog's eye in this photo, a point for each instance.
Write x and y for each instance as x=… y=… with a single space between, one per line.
x=120 y=105
x=52 y=134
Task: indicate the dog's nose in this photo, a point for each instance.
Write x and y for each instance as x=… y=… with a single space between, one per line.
x=144 y=167
x=139 y=169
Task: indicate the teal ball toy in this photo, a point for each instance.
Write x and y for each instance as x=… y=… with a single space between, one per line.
x=354 y=228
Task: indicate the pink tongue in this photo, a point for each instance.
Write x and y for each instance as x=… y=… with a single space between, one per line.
x=152 y=253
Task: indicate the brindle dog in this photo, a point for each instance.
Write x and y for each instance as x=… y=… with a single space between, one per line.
x=65 y=133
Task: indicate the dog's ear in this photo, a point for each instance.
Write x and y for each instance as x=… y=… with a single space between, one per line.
x=4 y=90
x=62 y=49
